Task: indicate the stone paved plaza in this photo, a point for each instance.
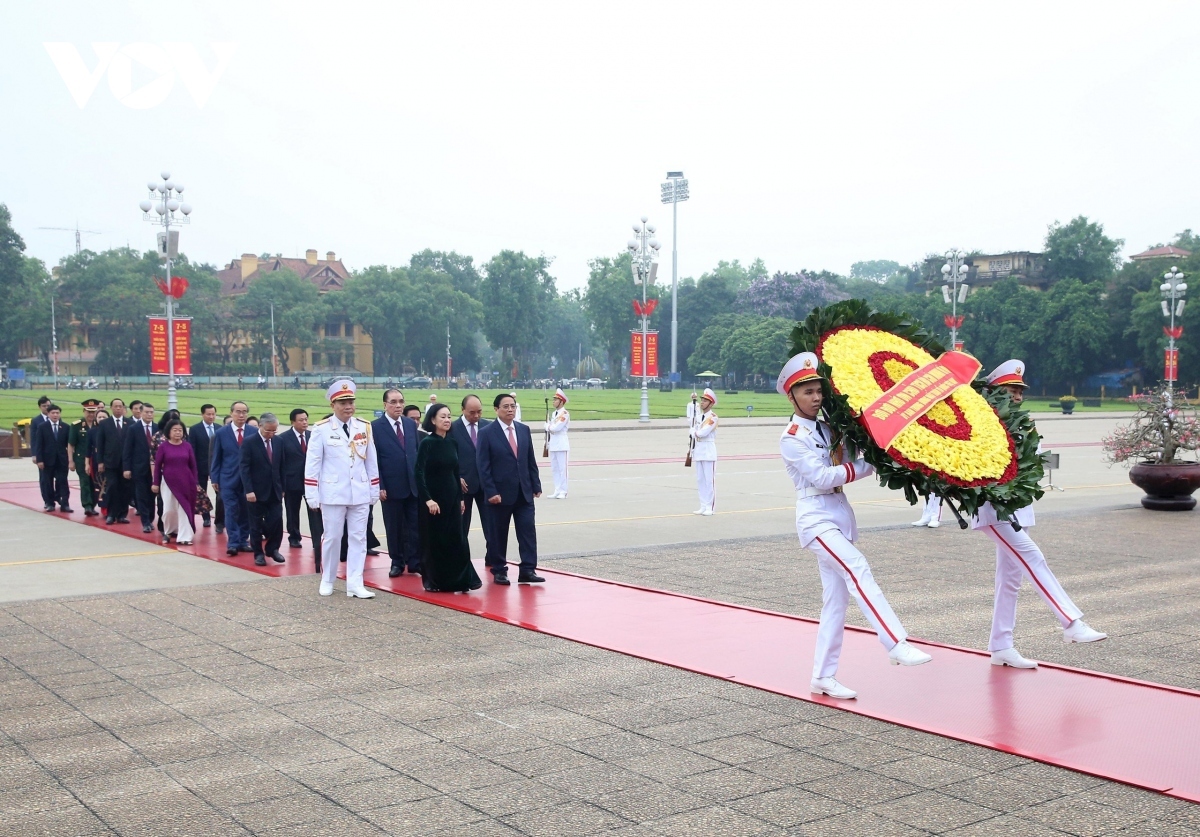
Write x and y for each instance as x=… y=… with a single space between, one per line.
x=235 y=704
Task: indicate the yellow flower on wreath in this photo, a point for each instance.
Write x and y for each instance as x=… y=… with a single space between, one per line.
x=962 y=439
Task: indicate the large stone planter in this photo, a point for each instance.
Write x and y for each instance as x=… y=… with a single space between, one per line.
x=1168 y=486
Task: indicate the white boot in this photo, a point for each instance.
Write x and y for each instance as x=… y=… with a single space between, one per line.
x=933 y=524
x=1010 y=657
x=1078 y=631
x=924 y=521
x=829 y=686
x=326 y=588
x=903 y=654
x=359 y=592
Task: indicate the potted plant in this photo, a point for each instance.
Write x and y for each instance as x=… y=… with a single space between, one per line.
x=1067 y=402
x=1164 y=426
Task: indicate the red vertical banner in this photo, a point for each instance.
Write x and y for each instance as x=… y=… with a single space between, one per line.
x=651 y=354
x=1171 y=365
x=158 y=346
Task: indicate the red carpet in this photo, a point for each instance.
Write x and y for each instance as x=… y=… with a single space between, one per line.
x=1139 y=733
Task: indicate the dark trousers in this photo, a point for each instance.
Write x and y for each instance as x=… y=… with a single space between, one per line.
x=53 y=482
x=143 y=497
x=266 y=526
x=117 y=491
x=292 y=501
x=498 y=517
x=219 y=512
x=237 y=527
x=400 y=524
x=476 y=499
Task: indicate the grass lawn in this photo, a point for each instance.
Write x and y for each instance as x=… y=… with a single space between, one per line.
x=585 y=404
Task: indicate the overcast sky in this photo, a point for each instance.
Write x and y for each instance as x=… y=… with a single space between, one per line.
x=813 y=135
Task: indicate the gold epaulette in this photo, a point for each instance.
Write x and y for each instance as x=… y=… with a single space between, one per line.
x=322 y=421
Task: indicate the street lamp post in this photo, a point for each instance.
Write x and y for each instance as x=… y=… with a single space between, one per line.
x=164 y=201
x=674 y=190
x=644 y=250
x=954 y=274
x=1173 y=289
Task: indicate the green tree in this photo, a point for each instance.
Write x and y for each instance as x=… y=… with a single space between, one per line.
x=608 y=304
x=568 y=334
x=407 y=310
x=1071 y=334
x=758 y=347
x=699 y=303
x=707 y=356
x=876 y=270
x=1080 y=250
x=24 y=284
x=516 y=294
x=298 y=311
x=460 y=269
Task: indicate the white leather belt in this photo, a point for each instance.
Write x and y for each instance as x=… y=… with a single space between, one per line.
x=810 y=491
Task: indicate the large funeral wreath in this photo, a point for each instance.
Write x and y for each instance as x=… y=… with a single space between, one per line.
x=973 y=447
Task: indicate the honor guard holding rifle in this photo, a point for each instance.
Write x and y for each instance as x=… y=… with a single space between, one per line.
x=341 y=478
x=704 y=452
x=816 y=460
x=560 y=449
x=1017 y=556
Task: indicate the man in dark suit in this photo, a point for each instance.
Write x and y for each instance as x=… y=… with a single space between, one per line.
x=225 y=471
x=465 y=432
x=36 y=422
x=294 y=443
x=396 y=448
x=262 y=479
x=110 y=447
x=200 y=437
x=508 y=473
x=137 y=462
x=52 y=460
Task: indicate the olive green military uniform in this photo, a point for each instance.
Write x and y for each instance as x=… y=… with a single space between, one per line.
x=77 y=439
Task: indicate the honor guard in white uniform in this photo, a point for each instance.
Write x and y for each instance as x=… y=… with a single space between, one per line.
x=341 y=478
x=1017 y=556
x=560 y=448
x=932 y=514
x=704 y=454
x=517 y=417
x=826 y=526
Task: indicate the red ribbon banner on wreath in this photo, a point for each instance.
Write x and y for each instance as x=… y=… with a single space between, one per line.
x=916 y=394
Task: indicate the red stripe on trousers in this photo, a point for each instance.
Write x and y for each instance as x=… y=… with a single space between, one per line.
x=1045 y=592
x=861 y=594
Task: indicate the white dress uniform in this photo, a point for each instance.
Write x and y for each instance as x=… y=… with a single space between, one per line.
x=1017 y=556
x=931 y=516
x=704 y=455
x=341 y=477
x=560 y=447
x=825 y=525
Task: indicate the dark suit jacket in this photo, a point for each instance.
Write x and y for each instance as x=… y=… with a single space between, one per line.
x=502 y=473
x=226 y=463
x=468 y=466
x=135 y=450
x=397 y=466
x=259 y=475
x=34 y=436
x=50 y=450
x=198 y=439
x=293 y=463
x=110 y=446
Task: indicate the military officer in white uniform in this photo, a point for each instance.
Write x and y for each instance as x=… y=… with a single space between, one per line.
x=341 y=478
x=826 y=526
x=1017 y=556
x=932 y=514
x=560 y=447
x=704 y=454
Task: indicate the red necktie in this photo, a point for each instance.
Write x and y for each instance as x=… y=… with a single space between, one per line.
x=400 y=432
x=149 y=438
x=269 y=457
x=239 y=430
x=512 y=440
x=303 y=444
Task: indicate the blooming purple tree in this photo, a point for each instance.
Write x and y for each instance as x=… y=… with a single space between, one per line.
x=790 y=295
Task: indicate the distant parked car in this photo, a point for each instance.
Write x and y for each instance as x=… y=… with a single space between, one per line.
x=420 y=382
x=595 y=383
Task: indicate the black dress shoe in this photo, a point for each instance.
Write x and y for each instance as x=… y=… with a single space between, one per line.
x=395 y=571
x=416 y=571
x=260 y=561
x=231 y=551
x=372 y=551
x=146 y=530
x=207 y=523
x=278 y=558
x=67 y=510
x=295 y=544
x=91 y=513
x=109 y=520
x=122 y=520
x=245 y=548
x=501 y=579
x=48 y=507
x=529 y=578
x=220 y=529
